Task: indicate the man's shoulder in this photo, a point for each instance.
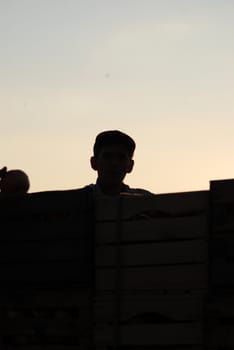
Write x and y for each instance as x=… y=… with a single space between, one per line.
x=125 y=190
x=137 y=191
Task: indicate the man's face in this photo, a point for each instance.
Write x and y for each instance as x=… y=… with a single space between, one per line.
x=112 y=164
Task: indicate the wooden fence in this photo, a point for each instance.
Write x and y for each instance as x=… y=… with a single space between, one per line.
x=127 y=272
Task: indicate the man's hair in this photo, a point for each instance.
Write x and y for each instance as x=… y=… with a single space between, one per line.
x=113 y=137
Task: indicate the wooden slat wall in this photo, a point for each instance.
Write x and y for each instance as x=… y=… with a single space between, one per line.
x=183 y=204
x=43 y=233
x=151 y=271
x=163 y=271
x=46 y=271
x=220 y=305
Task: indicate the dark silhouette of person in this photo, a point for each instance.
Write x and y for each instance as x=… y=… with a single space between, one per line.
x=13 y=181
x=112 y=158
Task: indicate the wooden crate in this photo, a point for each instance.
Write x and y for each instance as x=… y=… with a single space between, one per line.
x=151 y=271
x=149 y=320
x=45 y=317
x=47 y=238
x=46 y=271
x=157 y=242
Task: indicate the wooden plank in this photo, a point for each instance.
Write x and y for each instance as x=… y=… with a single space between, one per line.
x=161 y=277
x=153 y=253
x=41 y=317
x=158 y=206
x=22 y=346
x=162 y=347
x=45 y=250
x=47 y=215
x=153 y=229
x=44 y=314
x=45 y=327
x=46 y=341
x=52 y=297
x=36 y=231
x=47 y=202
x=62 y=322
x=39 y=342
x=63 y=272
x=150 y=308
x=48 y=347
x=34 y=256
x=145 y=335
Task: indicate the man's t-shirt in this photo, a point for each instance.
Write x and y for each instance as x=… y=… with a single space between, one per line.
x=125 y=190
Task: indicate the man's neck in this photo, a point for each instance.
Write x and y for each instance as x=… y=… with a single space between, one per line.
x=110 y=189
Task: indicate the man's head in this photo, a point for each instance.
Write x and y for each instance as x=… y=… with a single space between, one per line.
x=112 y=157
x=113 y=137
x=14 y=182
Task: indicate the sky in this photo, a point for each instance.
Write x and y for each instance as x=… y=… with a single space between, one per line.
x=161 y=71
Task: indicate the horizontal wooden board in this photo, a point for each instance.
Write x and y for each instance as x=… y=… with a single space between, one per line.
x=51 y=297
x=48 y=318
x=158 y=206
x=45 y=327
x=8 y=346
x=47 y=215
x=45 y=250
x=161 y=277
x=152 y=253
x=191 y=333
x=79 y=228
x=45 y=272
x=37 y=342
x=159 y=347
x=61 y=201
x=152 y=230
x=150 y=308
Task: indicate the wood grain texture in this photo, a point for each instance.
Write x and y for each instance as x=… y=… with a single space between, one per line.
x=151 y=308
x=159 y=253
x=158 y=206
x=162 y=277
x=151 y=334
x=164 y=229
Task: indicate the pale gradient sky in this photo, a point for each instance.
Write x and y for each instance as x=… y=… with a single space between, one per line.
x=162 y=71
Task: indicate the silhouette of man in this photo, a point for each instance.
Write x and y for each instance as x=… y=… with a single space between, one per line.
x=113 y=159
